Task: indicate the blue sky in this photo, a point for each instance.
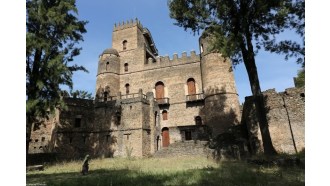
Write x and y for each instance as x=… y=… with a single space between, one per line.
x=274 y=71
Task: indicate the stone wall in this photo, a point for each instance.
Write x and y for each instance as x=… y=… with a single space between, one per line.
x=286 y=120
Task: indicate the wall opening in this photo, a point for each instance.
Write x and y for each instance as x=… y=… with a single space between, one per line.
x=124 y=44
x=105 y=96
x=165 y=114
x=155 y=118
x=187 y=134
x=77 y=122
x=159 y=87
x=43 y=139
x=165 y=137
x=191 y=86
x=126 y=67
x=107 y=66
x=127 y=88
x=198 y=120
x=118 y=118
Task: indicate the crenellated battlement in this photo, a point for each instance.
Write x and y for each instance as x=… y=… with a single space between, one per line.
x=127 y=24
x=175 y=60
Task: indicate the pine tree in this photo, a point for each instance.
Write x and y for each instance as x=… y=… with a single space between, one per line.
x=52 y=31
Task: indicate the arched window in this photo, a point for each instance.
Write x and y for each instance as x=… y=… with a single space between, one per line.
x=124 y=45
x=164 y=114
x=105 y=96
x=191 y=86
x=127 y=88
x=126 y=67
x=198 y=120
x=159 y=87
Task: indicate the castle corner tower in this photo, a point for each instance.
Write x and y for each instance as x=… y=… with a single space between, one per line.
x=221 y=109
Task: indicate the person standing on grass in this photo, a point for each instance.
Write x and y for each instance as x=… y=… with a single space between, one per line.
x=85 y=167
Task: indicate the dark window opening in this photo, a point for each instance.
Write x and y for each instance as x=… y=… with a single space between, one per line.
x=36 y=126
x=105 y=96
x=164 y=114
x=155 y=118
x=198 y=120
x=36 y=140
x=302 y=95
x=127 y=88
x=40 y=147
x=188 y=135
x=77 y=122
x=43 y=139
x=124 y=45
x=107 y=66
x=126 y=67
x=118 y=118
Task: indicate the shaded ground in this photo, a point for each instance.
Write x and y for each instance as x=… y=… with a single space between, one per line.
x=137 y=173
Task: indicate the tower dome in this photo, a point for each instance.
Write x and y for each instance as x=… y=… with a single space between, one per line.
x=111 y=51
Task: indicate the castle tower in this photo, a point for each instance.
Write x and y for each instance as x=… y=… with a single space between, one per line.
x=136 y=48
x=221 y=108
x=107 y=79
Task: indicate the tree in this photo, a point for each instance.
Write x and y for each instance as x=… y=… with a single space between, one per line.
x=240 y=29
x=52 y=31
x=300 y=79
x=81 y=94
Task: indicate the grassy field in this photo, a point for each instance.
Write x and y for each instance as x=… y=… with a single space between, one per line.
x=169 y=171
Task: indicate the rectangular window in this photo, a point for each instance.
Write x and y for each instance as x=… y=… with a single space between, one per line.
x=77 y=123
x=188 y=135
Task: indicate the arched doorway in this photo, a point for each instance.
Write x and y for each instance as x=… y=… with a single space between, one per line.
x=159 y=90
x=165 y=137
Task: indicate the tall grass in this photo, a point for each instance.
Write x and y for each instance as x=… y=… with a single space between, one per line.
x=165 y=171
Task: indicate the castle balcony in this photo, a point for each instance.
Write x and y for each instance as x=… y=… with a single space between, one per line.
x=195 y=97
x=133 y=95
x=106 y=99
x=163 y=101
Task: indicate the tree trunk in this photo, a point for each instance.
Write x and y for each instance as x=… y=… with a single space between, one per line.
x=251 y=68
x=28 y=136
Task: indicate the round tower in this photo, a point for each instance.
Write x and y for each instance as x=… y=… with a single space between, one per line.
x=107 y=79
x=221 y=109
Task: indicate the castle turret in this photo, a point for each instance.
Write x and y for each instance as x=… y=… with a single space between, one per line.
x=107 y=82
x=221 y=108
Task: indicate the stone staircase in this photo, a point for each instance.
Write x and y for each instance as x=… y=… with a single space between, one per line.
x=184 y=148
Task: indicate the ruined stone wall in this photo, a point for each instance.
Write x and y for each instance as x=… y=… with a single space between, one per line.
x=286 y=120
x=41 y=140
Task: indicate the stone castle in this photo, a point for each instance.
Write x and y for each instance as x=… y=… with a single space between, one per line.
x=144 y=102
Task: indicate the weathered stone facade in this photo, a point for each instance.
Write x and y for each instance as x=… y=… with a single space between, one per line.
x=286 y=120
x=145 y=101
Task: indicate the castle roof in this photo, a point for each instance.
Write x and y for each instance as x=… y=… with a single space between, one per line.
x=110 y=51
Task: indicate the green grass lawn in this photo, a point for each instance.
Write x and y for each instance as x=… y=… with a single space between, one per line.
x=169 y=171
